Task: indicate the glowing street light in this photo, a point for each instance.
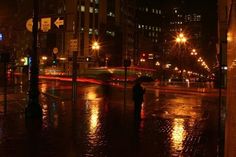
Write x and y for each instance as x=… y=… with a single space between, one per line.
x=44 y=58
x=96 y=47
x=194 y=52
x=181 y=38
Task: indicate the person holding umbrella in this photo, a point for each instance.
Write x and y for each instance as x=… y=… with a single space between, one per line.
x=138 y=92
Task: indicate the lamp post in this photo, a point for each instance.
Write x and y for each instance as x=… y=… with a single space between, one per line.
x=95 y=48
x=181 y=40
x=33 y=110
x=194 y=52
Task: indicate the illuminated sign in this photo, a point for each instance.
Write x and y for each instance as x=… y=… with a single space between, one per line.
x=1 y=36
x=25 y=60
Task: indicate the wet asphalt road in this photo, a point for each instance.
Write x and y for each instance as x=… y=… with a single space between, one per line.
x=174 y=124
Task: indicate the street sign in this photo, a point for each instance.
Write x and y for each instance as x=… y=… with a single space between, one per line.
x=55 y=50
x=74 y=45
x=59 y=22
x=29 y=25
x=45 y=24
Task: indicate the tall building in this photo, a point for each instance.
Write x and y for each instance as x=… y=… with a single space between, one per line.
x=109 y=22
x=149 y=38
x=226 y=55
x=158 y=24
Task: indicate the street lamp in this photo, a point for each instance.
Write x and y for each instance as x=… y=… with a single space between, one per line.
x=194 y=52
x=181 y=39
x=96 y=47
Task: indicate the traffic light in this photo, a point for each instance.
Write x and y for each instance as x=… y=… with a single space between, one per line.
x=54 y=59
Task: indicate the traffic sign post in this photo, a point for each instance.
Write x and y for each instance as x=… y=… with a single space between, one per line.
x=59 y=22
x=45 y=24
x=74 y=45
x=55 y=50
x=29 y=25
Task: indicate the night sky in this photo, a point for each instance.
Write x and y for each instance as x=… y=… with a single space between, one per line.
x=209 y=12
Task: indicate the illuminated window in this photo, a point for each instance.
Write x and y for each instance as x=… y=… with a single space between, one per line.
x=90 y=31
x=146 y=9
x=111 y=14
x=111 y=33
x=91 y=9
x=198 y=17
x=82 y=8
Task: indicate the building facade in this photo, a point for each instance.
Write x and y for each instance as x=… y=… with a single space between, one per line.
x=110 y=23
x=227 y=41
x=156 y=46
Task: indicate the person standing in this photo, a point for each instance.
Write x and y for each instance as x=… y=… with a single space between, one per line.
x=138 y=92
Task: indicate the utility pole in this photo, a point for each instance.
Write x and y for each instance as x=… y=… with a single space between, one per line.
x=76 y=37
x=33 y=110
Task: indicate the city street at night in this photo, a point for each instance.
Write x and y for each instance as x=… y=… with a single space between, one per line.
x=117 y=78
x=174 y=122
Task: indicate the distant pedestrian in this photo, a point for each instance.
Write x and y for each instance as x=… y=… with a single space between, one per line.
x=138 y=92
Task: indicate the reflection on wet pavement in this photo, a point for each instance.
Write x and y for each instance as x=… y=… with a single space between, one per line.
x=178 y=135
x=171 y=125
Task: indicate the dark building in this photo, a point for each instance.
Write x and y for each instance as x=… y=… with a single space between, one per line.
x=111 y=23
x=159 y=23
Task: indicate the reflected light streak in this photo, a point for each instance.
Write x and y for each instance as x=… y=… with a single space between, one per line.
x=91 y=95
x=178 y=134
x=142 y=114
x=45 y=115
x=93 y=119
x=44 y=88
